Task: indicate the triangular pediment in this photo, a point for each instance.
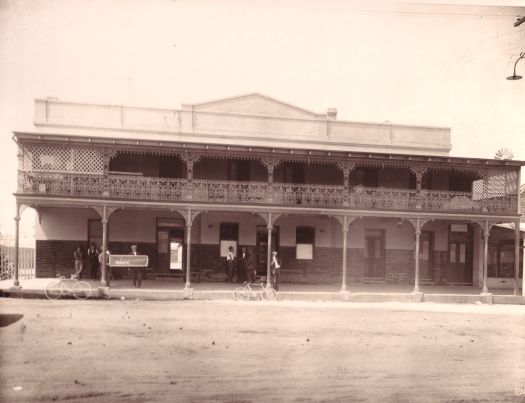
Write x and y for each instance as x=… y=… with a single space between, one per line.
x=255 y=104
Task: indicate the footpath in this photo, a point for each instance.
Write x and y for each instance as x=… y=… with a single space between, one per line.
x=165 y=290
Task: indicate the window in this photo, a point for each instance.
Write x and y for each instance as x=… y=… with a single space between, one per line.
x=305 y=241
x=294 y=172
x=238 y=170
x=95 y=232
x=228 y=236
x=366 y=177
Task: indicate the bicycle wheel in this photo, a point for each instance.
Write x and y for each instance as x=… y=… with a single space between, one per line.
x=269 y=294
x=241 y=294
x=54 y=290
x=82 y=290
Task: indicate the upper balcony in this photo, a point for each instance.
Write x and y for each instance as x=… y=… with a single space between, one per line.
x=234 y=175
x=133 y=187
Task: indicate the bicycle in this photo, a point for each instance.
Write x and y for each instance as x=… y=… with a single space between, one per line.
x=66 y=286
x=246 y=293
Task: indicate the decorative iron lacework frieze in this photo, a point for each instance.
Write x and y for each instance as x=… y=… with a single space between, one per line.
x=63 y=159
x=336 y=196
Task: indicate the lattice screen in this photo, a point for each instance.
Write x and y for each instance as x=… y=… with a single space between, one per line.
x=497 y=182
x=62 y=159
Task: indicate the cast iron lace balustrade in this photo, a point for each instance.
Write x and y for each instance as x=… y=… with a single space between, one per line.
x=230 y=192
x=173 y=189
x=308 y=195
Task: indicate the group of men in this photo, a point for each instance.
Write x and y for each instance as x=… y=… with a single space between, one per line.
x=244 y=267
x=94 y=260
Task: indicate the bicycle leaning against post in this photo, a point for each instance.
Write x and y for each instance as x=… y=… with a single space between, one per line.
x=247 y=293
x=65 y=286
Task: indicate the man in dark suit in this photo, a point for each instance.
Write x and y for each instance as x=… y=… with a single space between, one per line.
x=241 y=265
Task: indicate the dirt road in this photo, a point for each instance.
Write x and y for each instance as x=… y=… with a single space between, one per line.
x=135 y=351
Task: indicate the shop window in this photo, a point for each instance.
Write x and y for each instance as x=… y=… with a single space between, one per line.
x=305 y=241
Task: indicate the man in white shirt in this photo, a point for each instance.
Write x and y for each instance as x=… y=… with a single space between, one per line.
x=137 y=271
x=275 y=266
x=230 y=265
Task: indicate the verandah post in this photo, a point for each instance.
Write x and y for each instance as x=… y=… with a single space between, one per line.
x=16 y=282
x=103 y=269
x=486 y=234
x=188 y=252
x=416 y=274
x=345 y=242
x=269 y=252
x=517 y=258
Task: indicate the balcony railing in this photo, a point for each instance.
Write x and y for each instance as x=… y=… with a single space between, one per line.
x=299 y=195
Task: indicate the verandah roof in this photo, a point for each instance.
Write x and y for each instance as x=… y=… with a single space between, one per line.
x=174 y=147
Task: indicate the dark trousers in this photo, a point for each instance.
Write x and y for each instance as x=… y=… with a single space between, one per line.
x=250 y=275
x=275 y=280
x=93 y=265
x=137 y=277
x=230 y=270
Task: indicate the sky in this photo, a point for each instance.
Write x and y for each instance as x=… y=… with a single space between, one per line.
x=412 y=62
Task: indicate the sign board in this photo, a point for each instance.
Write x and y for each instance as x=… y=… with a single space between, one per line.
x=176 y=255
x=128 y=260
x=458 y=228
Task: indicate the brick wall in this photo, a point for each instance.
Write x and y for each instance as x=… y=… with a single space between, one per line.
x=399 y=266
x=56 y=257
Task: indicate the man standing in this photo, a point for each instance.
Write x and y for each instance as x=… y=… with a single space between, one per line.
x=241 y=267
x=137 y=271
x=92 y=260
x=79 y=262
x=109 y=275
x=275 y=267
x=230 y=265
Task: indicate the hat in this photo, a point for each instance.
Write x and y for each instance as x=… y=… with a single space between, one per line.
x=274 y=253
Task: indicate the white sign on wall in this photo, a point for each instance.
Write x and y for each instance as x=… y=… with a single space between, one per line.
x=225 y=245
x=304 y=251
x=176 y=255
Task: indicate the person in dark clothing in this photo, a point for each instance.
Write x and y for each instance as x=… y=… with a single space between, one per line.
x=241 y=266
x=92 y=260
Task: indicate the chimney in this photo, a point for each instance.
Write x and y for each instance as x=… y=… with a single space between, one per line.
x=331 y=113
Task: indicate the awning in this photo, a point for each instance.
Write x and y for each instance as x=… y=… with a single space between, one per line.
x=511 y=226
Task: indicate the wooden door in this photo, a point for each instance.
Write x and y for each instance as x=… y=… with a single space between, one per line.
x=374 y=254
x=170 y=250
x=262 y=247
x=426 y=253
x=460 y=249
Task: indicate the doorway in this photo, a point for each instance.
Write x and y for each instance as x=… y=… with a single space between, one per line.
x=460 y=254
x=426 y=253
x=374 y=254
x=171 y=253
x=262 y=247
